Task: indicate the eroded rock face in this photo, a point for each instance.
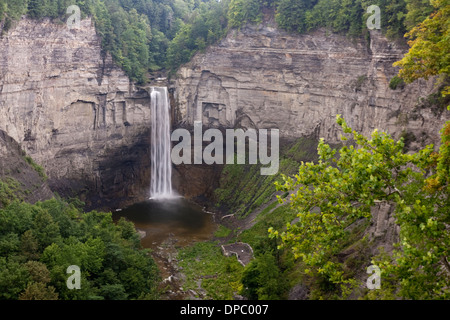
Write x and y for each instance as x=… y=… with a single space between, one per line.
x=75 y=112
x=25 y=181
x=266 y=78
x=261 y=77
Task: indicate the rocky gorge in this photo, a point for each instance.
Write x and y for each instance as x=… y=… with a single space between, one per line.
x=263 y=77
x=65 y=103
x=75 y=112
x=79 y=116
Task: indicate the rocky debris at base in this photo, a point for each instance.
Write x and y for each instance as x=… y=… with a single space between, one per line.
x=243 y=251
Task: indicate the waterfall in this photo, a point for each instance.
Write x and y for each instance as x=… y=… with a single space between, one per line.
x=161 y=163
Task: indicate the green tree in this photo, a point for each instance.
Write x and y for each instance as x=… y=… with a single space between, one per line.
x=291 y=14
x=45 y=229
x=38 y=271
x=112 y=262
x=9 y=243
x=16 y=8
x=429 y=52
x=263 y=280
x=36 y=8
x=13 y=278
x=38 y=291
x=338 y=190
x=392 y=18
x=104 y=27
x=17 y=217
x=113 y=292
x=29 y=245
x=242 y=11
x=2 y=9
x=417 y=11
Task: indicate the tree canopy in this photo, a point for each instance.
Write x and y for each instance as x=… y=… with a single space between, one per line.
x=150 y=35
x=338 y=191
x=39 y=242
x=334 y=194
x=429 y=54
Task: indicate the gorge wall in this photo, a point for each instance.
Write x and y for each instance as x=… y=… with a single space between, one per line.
x=17 y=177
x=79 y=116
x=75 y=112
x=262 y=77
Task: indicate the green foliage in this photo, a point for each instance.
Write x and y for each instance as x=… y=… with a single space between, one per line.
x=392 y=17
x=14 y=278
x=257 y=235
x=291 y=14
x=10 y=189
x=266 y=277
x=417 y=11
x=36 y=167
x=348 y=16
x=337 y=191
x=429 y=52
x=263 y=280
x=2 y=9
x=396 y=82
x=222 y=232
x=219 y=275
x=243 y=11
x=38 y=242
x=38 y=291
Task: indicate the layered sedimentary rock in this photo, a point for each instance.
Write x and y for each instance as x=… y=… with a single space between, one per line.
x=263 y=77
x=75 y=112
x=20 y=178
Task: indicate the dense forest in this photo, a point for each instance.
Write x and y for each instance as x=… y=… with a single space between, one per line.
x=36 y=241
x=151 y=35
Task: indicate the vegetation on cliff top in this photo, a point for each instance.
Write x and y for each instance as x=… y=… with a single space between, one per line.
x=141 y=36
x=150 y=35
x=430 y=47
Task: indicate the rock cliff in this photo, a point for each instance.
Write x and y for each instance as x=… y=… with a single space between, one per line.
x=263 y=77
x=75 y=112
x=79 y=116
x=18 y=178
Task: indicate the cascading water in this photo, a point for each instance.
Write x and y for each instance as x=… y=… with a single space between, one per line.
x=161 y=163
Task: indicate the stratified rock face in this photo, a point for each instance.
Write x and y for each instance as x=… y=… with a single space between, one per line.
x=74 y=111
x=266 y=78
x=30 y=186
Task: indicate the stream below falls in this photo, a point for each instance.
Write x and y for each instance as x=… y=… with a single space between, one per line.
x=165 y=226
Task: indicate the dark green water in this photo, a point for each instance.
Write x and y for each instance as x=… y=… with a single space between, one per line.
x=175 y=218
